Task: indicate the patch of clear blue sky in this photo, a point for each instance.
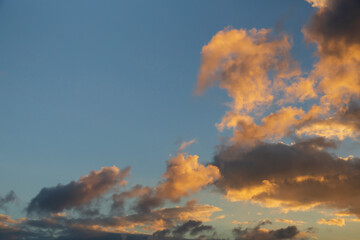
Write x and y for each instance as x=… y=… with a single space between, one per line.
x=86 y=84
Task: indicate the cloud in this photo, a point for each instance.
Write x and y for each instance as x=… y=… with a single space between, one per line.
x=193 y=227
x=76 y=194
x=318 y=3
x=258 y=233
x=184 y=176
x=111 y=228
x=256 y=69
x=9 y=198
x=334 y=221
x=293 y=177
x=289 y=221
x=117 y=206
x=186 y=144
x=137 y=226
x=240 y=222
x=274 y=126
x=240 y=60
x=344 y=124
x=334 y=29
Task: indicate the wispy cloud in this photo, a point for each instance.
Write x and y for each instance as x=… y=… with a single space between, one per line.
x=186 y=144
x=334 y=221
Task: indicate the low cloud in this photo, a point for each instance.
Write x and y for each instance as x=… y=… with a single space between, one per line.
x=293 y=177
x=182 y=220
x=76 y=194
x=259 y=233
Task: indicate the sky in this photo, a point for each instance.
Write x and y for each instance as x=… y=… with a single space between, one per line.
x=168 y=120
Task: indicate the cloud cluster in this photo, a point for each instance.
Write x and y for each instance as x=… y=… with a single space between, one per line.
x=265 y=84
x=59 y=226
x=111 y=228
x=64 y=212
x=256 y=70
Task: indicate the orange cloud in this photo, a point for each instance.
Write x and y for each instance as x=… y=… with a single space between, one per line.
x=186 y=144
x=184 y=176
x=334 y=222
x=288 y=221
x=318 y=3
x=240 y=61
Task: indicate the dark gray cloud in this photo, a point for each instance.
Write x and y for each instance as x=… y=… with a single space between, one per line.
x=63 y=228
x=75 y=194
x=257 y=233
x=291 y=176
x=117 y=206
x=338 y=22
x=192 y=227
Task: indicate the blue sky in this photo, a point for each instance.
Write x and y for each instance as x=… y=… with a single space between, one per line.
x=88 y=84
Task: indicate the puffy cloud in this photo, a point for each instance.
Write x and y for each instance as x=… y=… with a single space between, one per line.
x=184 y=176
x=256 y=70
x=300 y=90
x=75 y=194
x=293 y=177
x=274 y=126
x=240 y=61
x=303 y=175
x=334 y=221
x=335 y=31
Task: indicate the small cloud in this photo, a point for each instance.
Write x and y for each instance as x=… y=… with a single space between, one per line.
x=186 y=144
x=355 y=220
x=334 y=221
x=240 y=223
x=289 y=221
x=219 y=217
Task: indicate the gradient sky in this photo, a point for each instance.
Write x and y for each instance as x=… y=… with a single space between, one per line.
x=92 y=84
